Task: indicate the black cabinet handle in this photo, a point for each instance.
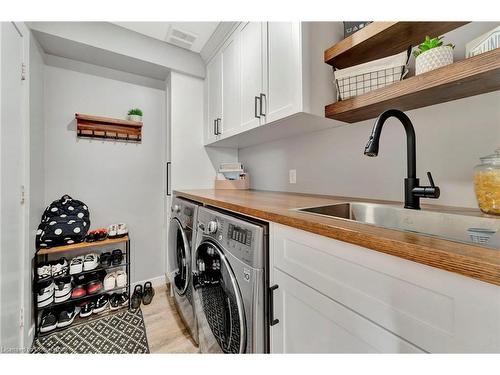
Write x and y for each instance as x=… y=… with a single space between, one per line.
x=169 y=193
x=215 y=127
x=257 y=98
x=262 y=101
x=272 y=321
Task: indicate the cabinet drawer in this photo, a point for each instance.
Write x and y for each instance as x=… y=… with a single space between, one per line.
x=435 y=310
x=310 y=322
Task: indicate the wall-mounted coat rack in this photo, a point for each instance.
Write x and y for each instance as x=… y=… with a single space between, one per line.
x=89 y=126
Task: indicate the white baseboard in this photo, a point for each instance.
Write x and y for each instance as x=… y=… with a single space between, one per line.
x=156 y=282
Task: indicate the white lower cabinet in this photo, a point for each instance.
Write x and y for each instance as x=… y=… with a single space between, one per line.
x=310 y=322
x=337 y=297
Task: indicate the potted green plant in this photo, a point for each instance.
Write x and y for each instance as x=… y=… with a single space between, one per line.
x=432 y=54
x=135 y=114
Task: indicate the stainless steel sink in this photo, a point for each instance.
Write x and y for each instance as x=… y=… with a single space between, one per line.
x=469 y=229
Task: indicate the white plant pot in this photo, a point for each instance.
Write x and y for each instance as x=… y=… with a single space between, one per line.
x=135 y=118
x=433 y=59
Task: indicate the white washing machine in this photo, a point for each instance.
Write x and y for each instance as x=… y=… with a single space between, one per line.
x=180 y=239
x=229 y=281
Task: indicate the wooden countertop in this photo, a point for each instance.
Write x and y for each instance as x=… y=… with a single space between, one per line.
x=466 y=259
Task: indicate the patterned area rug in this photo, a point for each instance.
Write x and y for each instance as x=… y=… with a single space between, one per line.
x=123 y=332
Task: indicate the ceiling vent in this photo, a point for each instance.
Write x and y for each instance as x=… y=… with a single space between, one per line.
x=181 y=38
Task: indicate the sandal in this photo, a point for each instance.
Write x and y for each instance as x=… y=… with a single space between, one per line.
x=136 y=297
x=149 y=293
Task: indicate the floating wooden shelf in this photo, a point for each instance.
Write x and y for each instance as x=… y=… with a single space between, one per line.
x=476 y=75
x=382 y=39
x=105 y=127
x=82 y=245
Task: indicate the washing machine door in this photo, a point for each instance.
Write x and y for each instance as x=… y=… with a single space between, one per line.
x=179 y=257
x=220 y=306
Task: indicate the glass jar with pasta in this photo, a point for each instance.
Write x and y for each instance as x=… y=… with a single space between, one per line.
x=487 y=183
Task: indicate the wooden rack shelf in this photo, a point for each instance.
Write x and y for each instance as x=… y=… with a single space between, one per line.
x=476 y=75
x=110 y=128
x=82 y=245
x=382 y=39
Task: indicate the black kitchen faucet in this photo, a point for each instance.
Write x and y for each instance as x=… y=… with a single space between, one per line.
x=413 y=191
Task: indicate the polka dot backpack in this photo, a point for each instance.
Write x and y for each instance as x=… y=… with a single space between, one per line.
x=66 y=221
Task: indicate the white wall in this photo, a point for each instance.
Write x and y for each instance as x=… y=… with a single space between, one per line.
x=450 y=139
x=36 y=188
x=120 y=182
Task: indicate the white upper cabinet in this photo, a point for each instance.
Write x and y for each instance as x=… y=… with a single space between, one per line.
x=252 y=37
x=271 y=71
x=214 y=100
x=231 y=88
x=284 y=70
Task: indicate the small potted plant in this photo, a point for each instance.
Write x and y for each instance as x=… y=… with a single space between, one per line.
x=432 y=54
x=135 y=114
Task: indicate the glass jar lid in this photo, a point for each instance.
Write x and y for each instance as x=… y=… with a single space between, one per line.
x=492 y=158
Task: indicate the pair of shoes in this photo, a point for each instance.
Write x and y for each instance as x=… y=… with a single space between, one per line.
x=52 y=319
x=117 y=230
x=98 y=234
x=86 y=284
x=83 y=263
x=118 y=300
x=142 y=295
x=55 y=268
x=94 y=306
x=114 y=280
x=111 y=259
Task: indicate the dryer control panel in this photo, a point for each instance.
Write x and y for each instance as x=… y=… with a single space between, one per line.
x=242 y=239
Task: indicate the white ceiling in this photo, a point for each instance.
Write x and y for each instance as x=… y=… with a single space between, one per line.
x=161 y=31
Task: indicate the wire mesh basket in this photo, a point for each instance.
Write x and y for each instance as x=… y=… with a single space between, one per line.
x=370 y=76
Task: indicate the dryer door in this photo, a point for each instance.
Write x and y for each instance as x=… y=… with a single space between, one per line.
x=179 y=257
x=220 y=309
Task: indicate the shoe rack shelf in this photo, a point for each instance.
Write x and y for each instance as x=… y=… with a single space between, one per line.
x=90 y=126
x=44 y=255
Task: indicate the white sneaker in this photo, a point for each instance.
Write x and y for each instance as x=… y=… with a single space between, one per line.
x=90 y=262
x=45 y=293
x=112 y=230
x=76 y=265
x=110 y=281
x=44 y=271
x=59 y=267
x=121 y=279
x=122 y=229
x=62 y=289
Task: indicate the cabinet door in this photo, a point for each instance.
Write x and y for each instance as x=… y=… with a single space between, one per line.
x=284 y=70
x=231 y=99
x=252 y=37
x=214 y=103
x=310 y=322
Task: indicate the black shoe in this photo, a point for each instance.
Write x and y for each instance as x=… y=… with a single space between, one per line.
x=136 y=297
x=86 y=309
x=67 y=315
x=101 y=304
x=149 y=293
x=49 y=321
x=116 y=257
x=105 y=259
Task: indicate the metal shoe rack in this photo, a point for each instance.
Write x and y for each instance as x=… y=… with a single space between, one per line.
x=45 y=255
